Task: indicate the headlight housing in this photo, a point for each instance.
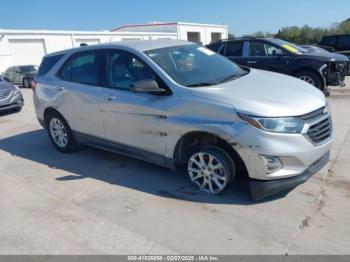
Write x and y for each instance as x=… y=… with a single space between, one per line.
x=289 y=125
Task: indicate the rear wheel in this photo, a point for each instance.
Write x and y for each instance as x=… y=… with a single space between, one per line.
x=211 y=169
x=60 y=133
x=26 y=82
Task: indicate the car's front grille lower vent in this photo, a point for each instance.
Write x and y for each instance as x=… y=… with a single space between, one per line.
x=320 y=131
x=5 y=93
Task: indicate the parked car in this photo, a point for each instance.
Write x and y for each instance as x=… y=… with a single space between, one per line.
x=21 y=75
x=336 y=43
x=10 y=96
x=176 y=103
x=315 y=48
x=317 y=68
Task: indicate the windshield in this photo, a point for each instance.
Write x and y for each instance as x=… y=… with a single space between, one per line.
x=193 y=65
x=29 y=68
x=289 y=46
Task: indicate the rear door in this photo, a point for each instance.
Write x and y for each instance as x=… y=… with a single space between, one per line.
x=78 y=88
x=234 y=51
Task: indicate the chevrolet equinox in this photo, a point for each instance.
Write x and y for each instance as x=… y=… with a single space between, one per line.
x=175 y=103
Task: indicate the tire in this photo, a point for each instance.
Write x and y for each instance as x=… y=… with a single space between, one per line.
x=311 y=78
x=60 y=133
x=25 y=82
x=17 y=110
x=204 y=176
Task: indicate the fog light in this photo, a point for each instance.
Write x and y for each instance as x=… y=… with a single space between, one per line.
x=271 y=163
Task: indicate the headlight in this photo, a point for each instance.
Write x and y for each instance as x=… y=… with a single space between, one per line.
x=290 y=125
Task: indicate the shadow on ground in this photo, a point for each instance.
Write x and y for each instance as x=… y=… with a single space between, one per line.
x=120 y=170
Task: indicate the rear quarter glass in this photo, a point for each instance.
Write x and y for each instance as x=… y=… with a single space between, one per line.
x=48 y=63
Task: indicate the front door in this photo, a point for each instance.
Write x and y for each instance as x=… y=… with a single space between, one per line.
x=265 y=56
x=132 y=119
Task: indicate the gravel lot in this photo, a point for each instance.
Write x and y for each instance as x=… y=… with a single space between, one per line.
x=95 y=202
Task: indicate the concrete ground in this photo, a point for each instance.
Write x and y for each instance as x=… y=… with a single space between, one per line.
x=95 y=202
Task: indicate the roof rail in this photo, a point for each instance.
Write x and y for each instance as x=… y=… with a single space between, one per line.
x=238 y=38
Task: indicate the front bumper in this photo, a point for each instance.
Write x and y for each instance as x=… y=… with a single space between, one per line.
x=12 y=102
x=262 y=188
x=336 y=72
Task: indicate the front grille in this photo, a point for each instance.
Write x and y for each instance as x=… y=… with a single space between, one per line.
x=320 y=125
x=342 y=67
x=5 y=93
x=320 y=131
x=314 y=114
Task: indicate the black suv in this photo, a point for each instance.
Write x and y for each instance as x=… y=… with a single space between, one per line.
x=315 y=67
x=336 y=43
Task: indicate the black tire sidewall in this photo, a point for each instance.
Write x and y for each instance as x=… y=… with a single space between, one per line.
x=23 y=82
x=71 y=144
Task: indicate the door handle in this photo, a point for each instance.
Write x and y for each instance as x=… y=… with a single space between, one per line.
x=110 y=98
x=251 y=62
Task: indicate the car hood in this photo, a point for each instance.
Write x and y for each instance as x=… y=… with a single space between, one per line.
x=264 y=93
x=4 y=85
x=326 y=56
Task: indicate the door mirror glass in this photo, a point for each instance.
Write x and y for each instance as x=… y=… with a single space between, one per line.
x=147 y=86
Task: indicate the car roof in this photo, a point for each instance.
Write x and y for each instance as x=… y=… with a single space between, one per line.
x=139 y=45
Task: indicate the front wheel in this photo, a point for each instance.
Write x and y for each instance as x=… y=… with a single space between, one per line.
x=311 y=78
x=211 y=169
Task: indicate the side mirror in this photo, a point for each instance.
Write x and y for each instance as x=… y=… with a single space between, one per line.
x=147 y=86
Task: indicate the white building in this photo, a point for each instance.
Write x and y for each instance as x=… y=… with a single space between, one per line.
x=200 y=33
x=21 y=47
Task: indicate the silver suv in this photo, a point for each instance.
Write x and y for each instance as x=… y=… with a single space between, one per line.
x=177 y=103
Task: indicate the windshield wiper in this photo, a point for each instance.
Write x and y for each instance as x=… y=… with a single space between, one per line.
x=201 y=84
x=232 y=77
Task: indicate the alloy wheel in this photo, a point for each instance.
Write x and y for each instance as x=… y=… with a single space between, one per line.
x=58 y=132
x=207 y=172
x=308 y=79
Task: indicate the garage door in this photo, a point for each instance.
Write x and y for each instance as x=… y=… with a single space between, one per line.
x=27 y=52
x=87 y=41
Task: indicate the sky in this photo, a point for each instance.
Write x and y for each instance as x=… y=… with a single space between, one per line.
x=242 y=16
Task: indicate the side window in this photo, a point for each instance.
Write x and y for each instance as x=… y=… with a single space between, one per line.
x=215 y=47
x=124 y=68
x=234 y=48
x=344 y=41
x=257 y=49
x=272 y=50
x=329 y=40
x=85 y=68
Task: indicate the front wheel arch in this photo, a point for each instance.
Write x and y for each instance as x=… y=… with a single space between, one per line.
x=196 y=140
x=313 y=71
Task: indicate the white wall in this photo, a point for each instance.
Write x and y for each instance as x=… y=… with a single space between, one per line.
x=181 y=28
x=205 y=31
x=59 y=40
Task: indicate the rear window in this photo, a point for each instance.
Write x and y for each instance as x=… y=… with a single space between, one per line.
x=48 y=63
